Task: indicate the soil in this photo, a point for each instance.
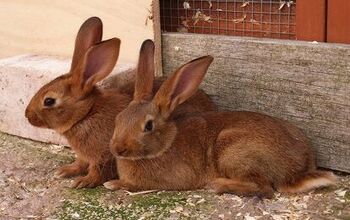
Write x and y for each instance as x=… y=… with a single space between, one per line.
x=30 y=191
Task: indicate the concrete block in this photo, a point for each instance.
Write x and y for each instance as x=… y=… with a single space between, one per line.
x=22 y=76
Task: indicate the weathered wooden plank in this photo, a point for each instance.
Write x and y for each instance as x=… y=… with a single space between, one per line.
x=157 y=37
x=304 y=83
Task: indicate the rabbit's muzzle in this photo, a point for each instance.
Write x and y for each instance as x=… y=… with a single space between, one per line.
x=34 y=119
x=123 y=147
x=119 y=150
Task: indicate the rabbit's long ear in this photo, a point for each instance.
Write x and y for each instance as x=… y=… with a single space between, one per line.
x=145 y=72
x=181 y=85
x=98 y=63
x=90 y=33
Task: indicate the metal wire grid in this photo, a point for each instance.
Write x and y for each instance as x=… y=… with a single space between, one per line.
x=254 y=18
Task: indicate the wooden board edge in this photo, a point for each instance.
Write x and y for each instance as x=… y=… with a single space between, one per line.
x=157 y=37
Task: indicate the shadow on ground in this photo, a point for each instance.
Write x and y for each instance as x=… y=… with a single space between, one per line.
x=29 y=191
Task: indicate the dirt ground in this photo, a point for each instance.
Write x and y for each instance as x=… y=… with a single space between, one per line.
x=29 y=191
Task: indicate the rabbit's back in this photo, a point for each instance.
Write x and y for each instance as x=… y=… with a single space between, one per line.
x=256 y=146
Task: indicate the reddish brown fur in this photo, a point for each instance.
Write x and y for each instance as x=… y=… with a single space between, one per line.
x=245 y=153
x=84 y=113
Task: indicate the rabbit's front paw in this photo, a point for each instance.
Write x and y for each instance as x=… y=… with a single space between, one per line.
x=86 y=182
x=70 y=170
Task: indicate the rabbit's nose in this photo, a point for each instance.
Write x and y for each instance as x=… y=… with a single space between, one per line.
x=27 y=112
x=117 y=148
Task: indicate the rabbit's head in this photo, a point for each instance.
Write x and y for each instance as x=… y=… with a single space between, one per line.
x=144 y=129
x=67 y=99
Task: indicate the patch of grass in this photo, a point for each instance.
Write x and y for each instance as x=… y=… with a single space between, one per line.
x=347 y=197
x=33 y=149
x=87 y=204
x=46 y=155
x=86 y=210
x=158 y=205
x=90 y=194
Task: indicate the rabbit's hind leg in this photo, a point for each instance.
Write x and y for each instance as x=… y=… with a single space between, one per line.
x=242 y=165
x=240 y=187
x=311 y=180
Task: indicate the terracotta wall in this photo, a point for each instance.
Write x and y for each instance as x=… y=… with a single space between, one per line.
x=323 y=20
x=338 y=21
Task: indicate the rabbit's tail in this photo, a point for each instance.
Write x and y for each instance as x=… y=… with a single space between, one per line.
x=312 y=180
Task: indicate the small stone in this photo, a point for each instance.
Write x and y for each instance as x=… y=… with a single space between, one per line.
x=75 y=215
x=326 y=212
x=248 y=217
x=18 y=197
x=340 y=192
x=179 y=209
x=221 y=216
x=186 y=214
x=200 y=201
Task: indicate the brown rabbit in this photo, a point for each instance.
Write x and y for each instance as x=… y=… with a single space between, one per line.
x=84 y=114
x=245 y=153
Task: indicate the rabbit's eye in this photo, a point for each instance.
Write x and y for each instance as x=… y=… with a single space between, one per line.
x=148 y=126
x=48 y=102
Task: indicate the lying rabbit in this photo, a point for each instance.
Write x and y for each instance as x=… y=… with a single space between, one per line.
x=83 y=113
x=244 y=153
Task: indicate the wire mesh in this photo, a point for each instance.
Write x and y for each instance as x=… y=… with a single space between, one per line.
x=253 y=18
